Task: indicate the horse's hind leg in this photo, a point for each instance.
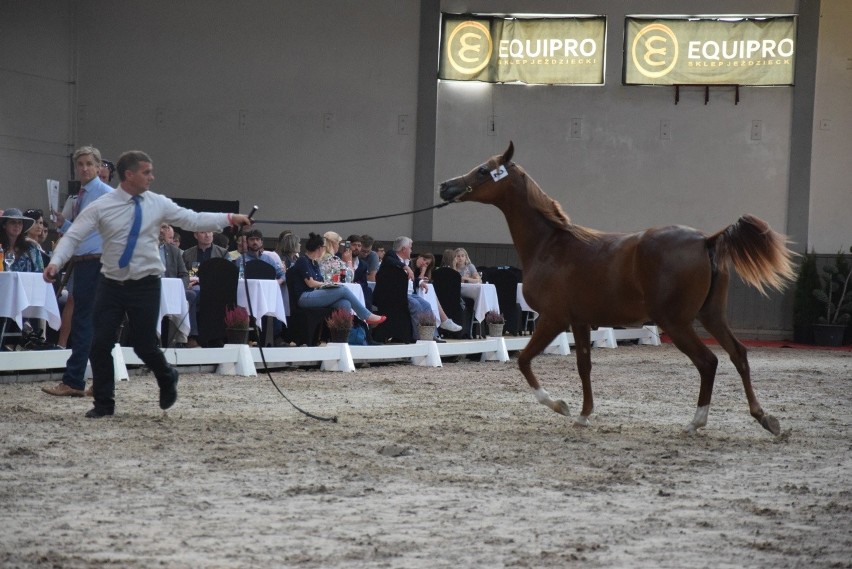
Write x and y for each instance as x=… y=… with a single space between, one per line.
x=714 y=322
x=705 y=361
x=545 y=332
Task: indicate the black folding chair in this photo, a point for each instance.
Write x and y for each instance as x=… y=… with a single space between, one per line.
x=391 y=299
x=505 y=280
x=217 y=279
x=447 y=283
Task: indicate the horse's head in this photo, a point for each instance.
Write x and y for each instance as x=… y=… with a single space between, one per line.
x=483 y=183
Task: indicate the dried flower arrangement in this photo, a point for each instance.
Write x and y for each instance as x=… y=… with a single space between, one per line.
x=236 y=317
x=492 y=317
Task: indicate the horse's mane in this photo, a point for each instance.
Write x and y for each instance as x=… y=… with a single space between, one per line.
x=553 y=212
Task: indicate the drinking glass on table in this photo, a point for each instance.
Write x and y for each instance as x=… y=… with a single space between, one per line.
x=9 y=260
x=194 y=270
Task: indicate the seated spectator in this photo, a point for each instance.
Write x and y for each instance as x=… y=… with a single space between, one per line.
x=309 y=282
x=289 y=247
x=380 y=252
x=369 y=259
x=359 y=268
x=448 y=257
x=254 y=250
x=424 y=263
x=37 y=234
x=176 y=239
x=401 y=257
x=175 y=268
x=240 y=248
x=461 y=263
x=205 y=249
x=330 y=263
x=20 y=254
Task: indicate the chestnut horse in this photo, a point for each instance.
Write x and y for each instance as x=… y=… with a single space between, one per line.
x=582 y=278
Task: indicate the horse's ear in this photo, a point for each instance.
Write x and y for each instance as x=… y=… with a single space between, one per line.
x=507 y=156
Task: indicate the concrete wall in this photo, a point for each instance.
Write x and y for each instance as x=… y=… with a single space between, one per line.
x=831 y=167
x=620 y=175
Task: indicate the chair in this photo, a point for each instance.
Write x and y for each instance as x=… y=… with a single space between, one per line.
x=305 y=326
x=447 y=283
x=257 y=269
x=391 y=299
x=218 y=281
x=505 y=279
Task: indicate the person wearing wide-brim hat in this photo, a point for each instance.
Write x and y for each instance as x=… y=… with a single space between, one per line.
x=13 y=237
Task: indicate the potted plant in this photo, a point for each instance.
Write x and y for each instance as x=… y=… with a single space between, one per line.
x=236 y=324
x=339 y=324
x=836 y=296
x=495 y=322
x=806 y=308
x=426 y=324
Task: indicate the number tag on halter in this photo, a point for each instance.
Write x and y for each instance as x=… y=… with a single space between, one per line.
x=499 y=173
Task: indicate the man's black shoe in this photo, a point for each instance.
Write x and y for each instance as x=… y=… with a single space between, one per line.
x=168 y=391
x=95 y=413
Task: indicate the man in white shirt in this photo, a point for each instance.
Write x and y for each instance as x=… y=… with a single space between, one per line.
x=128 y=220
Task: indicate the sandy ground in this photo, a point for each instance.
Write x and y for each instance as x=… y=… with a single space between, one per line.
x=450 y=467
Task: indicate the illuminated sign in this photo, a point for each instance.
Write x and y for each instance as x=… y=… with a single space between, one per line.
x=534 y=50
x=742 y=51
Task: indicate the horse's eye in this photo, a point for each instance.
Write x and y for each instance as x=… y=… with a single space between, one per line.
x=483 y=171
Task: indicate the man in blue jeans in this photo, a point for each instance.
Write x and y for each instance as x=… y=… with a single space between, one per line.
x=128 y=220
x=84 y=266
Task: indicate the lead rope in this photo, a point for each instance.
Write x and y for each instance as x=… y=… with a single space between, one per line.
x=332 y=419
x=331 y=221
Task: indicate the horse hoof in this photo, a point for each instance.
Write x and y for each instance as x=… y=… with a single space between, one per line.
x=689 y=430
x=771 y=424
x=581 y=422
x=561 y=407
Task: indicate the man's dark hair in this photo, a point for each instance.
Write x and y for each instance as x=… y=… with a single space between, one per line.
x=130 y=160
x=366 y=241
x=253 y=233
x=354 y=239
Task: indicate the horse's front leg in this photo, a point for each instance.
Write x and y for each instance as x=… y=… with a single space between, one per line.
x=545 y=332
x=583 y=345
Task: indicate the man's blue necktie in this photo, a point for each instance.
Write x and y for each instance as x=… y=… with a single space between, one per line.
x=134 y=234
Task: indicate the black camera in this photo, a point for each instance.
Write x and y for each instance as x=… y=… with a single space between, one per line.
x=347 y=244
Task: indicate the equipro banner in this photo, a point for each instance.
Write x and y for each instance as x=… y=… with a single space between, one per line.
x=563 y=51
x=757 y=51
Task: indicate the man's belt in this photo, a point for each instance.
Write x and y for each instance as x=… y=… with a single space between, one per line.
x=80 y=258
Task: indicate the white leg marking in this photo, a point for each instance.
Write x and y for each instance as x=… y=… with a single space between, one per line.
x=699 y=420
x=543 y=397
x=581 y=421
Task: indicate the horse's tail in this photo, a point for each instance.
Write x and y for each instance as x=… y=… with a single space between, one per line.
x=759 y=254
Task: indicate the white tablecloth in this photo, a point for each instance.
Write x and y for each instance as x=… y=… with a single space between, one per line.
x=356 y=290
x=432 y=298
x=26 y=295
x=265 y=297
x=521 y=300
x=173 y=303
x=484 y=297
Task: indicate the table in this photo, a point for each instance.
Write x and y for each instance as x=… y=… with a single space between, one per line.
x=522 y=301
x=484 y=297
x=266 y=299
x=173 y=303
x=432 y=298
x=26 y=295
